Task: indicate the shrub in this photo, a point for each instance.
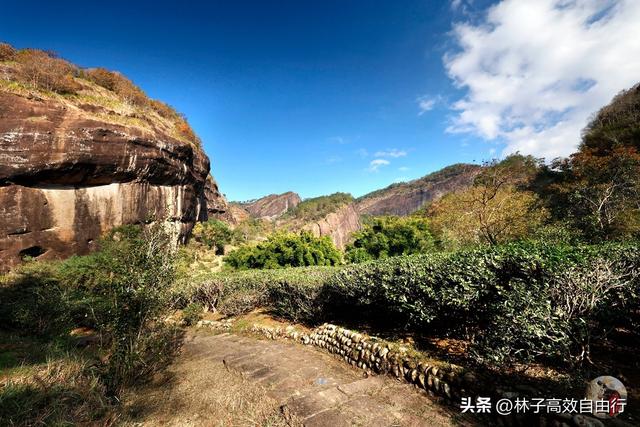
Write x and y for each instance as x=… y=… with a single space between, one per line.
x=390 y=236
x=507 y=300
x=192 y=314
x=516 y=302
x=7 y=52
x=299 y=302
x=124 y=289
x=102 y=77
x=119 y=84
x=242 y=291
x=43 y=70
x=286 y=250
x=136 y=268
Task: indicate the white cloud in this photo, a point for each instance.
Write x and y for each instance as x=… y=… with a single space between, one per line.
x=362 y=152
x=461 y=5
x=426 y=103
x=534 y=71
x=394 y=152
x=376 y=164
x=403 y=168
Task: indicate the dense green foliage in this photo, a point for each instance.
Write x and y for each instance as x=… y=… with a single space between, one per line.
x=616 y=124
x=319 y=207
x=382 y=237
x=214 y=234
x=286 y=250
x=516 y=302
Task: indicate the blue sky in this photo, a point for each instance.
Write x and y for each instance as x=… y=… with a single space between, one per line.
x=324 y=96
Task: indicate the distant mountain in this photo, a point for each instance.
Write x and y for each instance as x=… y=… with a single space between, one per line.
x=271 y=206
x=338 y=215
x=407 y=197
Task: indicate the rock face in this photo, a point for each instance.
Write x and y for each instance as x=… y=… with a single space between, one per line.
x=216 y=204
x=272 y=206
x=66 y=176
x=338 y=225
x=407 y=197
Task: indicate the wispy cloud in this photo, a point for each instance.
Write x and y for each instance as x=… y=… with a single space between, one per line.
x=334 y=159
x=535 y=71
x=403 y=168
x=362 y=152
x=376 y=164
x=461 y=5
x=426 y=103
x=394 y=152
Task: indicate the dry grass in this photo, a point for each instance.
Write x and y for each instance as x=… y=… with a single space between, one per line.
x=31 y=72
x=192 y=396
x=61 y=392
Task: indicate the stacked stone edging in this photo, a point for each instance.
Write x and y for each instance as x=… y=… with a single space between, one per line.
x=374 y=355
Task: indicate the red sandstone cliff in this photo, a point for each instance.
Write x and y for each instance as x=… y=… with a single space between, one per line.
x=72 y=167
x=271 y=206
x=407 y=197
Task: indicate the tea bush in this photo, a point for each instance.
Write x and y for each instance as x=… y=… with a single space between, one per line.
x=508 y=301
x=242 y=291
x=192 y=314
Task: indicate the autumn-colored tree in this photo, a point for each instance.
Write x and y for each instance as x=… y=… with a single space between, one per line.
x=516 y=170
x=119 y=84
x=7 y=52
x=486 y=214
x=44 y=70
x=597 y=189
x=601 y=192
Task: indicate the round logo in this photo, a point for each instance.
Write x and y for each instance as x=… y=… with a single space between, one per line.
x=607 y=395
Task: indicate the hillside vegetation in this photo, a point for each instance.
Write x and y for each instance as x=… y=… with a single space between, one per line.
x=319 y=207
x=107 y=95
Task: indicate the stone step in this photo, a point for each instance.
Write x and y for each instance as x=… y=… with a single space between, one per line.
x=319 y=388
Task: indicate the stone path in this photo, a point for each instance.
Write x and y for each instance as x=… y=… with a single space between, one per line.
x=319 y=389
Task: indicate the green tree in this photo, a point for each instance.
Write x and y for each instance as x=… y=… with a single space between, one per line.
x=286 y=250
x=387 y=236
x=214 y=234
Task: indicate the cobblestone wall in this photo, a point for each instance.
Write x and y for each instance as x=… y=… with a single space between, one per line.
x=451 y=383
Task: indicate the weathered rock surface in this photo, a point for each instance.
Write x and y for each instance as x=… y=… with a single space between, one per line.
x=338 y=225
x=66 y=177
x=271 y=206
x=216 y=204
x=407 y=197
